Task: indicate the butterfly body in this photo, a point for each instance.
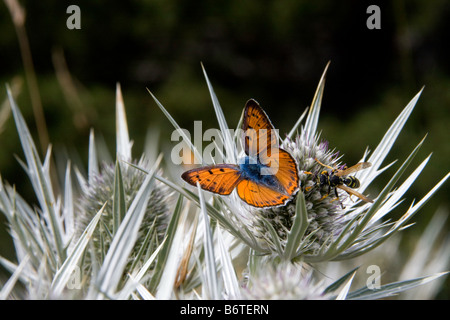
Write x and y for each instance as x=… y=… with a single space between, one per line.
x=266 y=176
x=252 y=170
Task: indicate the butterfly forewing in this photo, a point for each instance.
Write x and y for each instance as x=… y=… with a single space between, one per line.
x=259 y=134
x=221 y=179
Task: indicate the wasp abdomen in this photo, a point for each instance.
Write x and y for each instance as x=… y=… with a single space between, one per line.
x=352 y=182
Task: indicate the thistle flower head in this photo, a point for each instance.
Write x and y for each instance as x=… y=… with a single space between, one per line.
x=115 y=189
x=284 y=281
x=100 y=191
x=325 y=214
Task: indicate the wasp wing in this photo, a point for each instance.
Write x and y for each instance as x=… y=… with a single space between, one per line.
x=352 y=192
x=352 y=169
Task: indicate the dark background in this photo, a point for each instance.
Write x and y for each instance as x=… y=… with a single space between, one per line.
x=273 y=51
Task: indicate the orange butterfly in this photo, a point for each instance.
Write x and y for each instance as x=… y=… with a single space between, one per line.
x=266 y=176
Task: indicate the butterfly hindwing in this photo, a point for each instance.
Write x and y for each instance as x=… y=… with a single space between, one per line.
x=221 y=178
x=259 y=195
x=287 y=173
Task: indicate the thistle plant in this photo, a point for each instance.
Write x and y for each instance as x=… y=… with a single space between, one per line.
x=99 y=192
x=136 y=231
x=121 y=215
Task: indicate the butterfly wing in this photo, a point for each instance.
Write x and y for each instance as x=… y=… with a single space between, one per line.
x=261 y=139
x=221 y=179
x=258 y=195
x=287 y=172
x=259 y=134
x=355 y=168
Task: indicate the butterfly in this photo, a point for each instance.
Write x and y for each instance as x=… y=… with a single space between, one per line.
x=266 y=176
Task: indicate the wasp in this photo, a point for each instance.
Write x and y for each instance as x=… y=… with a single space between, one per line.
x=340 y=179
